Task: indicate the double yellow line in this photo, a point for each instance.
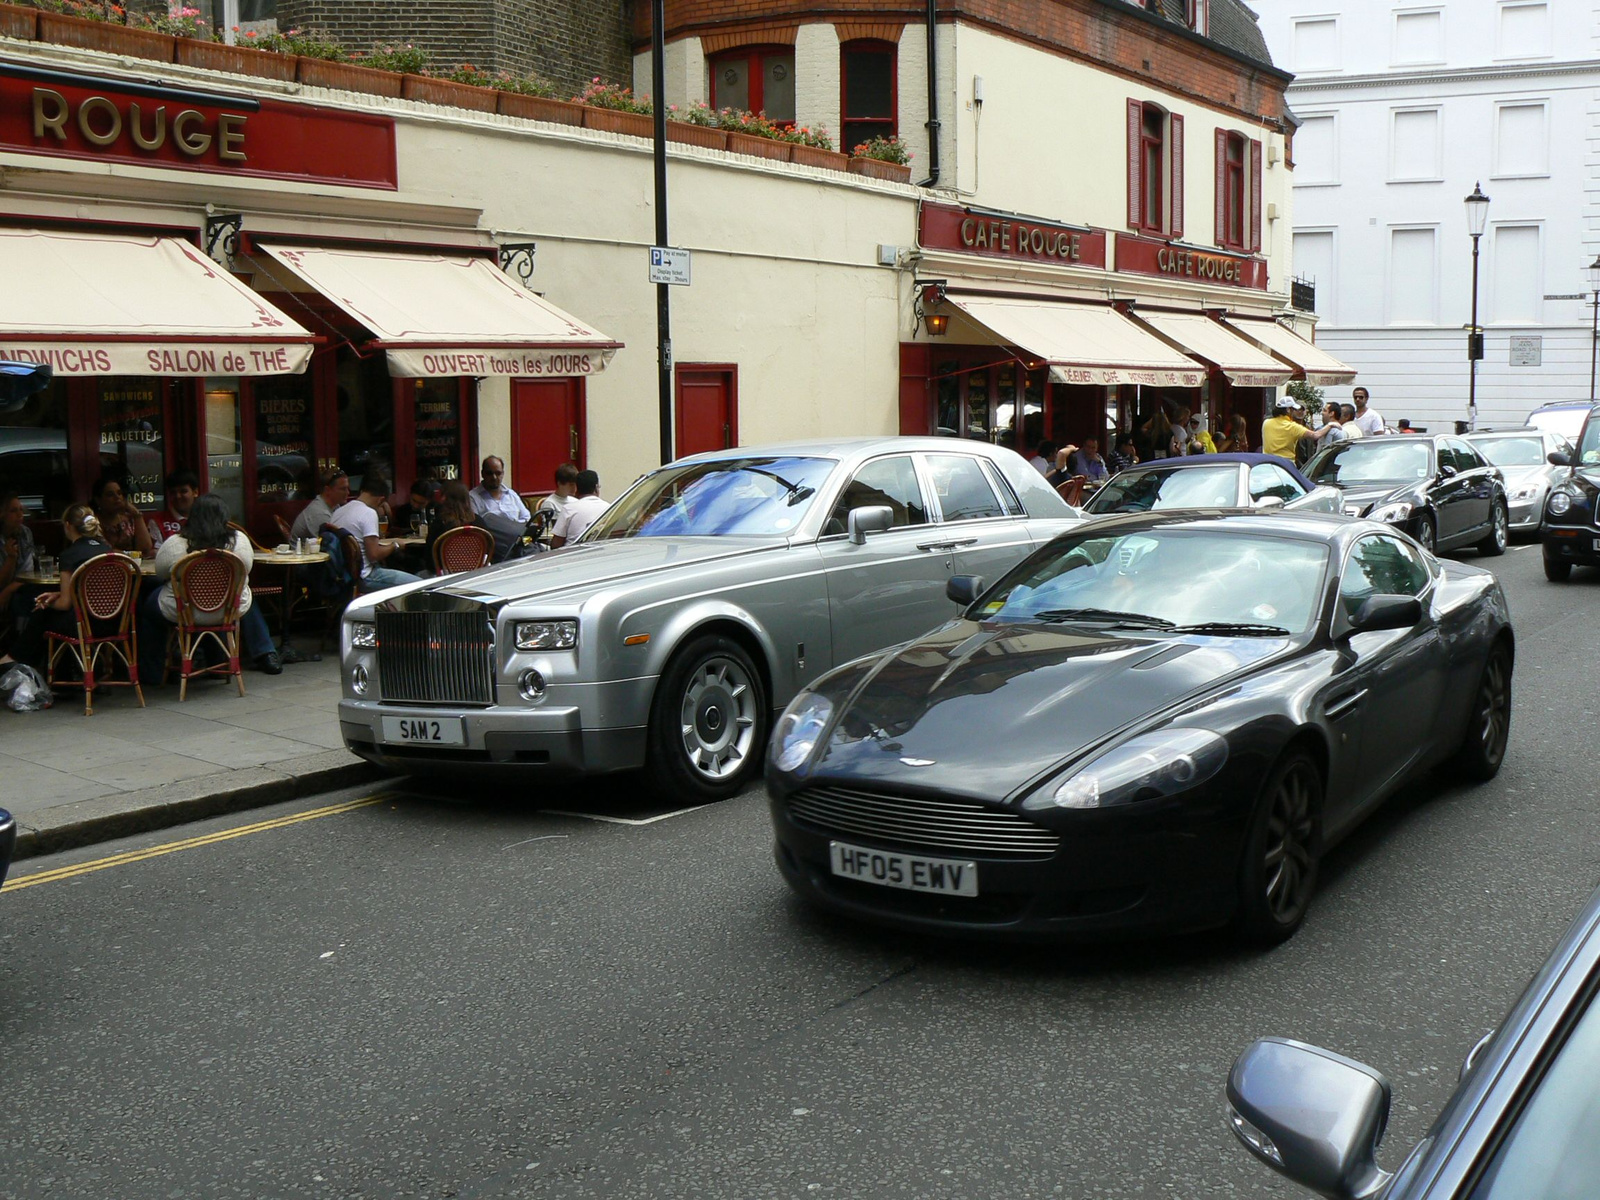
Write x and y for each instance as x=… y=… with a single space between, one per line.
x=132 y=856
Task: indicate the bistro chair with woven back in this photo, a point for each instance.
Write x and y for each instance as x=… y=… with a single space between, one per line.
x=207 y=587
x=465 y=548
x=1071 y=489
x=104 y=591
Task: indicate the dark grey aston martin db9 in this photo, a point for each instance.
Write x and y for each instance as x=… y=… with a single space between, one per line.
x=1154 y=722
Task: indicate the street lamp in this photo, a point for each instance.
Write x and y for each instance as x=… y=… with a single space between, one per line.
x=1592 y=273
x=1477 y=215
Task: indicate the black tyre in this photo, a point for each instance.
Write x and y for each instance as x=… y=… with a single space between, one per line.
x=708 y=722
x=1483 y=742
x=1279 y=871
x=1426 y=533
x=1494 y=543
x=1555 y=570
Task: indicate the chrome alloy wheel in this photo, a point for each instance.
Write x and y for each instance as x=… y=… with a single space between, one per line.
x=718 y=718
x=1288 y=864
x=1502 y=526
x=1491 y=717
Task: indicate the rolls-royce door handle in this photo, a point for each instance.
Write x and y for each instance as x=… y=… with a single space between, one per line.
x=1345 y=705
x=954 y=544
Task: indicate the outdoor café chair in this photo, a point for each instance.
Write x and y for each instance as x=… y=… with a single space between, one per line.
x=103 y=594
x=1071 y=490
x=207 y=584
x=465 y=548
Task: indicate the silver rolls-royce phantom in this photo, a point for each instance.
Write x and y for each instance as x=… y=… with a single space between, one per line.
x=692 y=611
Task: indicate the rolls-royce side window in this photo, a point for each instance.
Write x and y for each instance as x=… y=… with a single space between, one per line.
x=963 y=489
x=886 y=481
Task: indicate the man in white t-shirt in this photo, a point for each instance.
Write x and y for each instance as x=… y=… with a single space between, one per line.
x=1368 y=420
x=360 y=517
x=558 y=501
x=583 y=512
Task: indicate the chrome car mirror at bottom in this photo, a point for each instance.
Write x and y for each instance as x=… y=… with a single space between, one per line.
x=1313 y=1116
x=872 y=518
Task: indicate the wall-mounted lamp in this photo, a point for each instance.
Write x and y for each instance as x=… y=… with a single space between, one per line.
x=931 y=292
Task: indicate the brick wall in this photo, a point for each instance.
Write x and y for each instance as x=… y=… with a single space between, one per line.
x=565 y=41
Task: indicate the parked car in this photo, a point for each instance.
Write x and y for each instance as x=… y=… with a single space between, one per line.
x=1571 y=529
x=1434 y=486
x=1565 y=417
x=1156 y=722
x=1213 y=481
x=1523 y=458
x=1523 y=1121
x=8 y=842
x=689 y=613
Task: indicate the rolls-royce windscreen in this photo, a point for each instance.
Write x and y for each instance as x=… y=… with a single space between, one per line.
x=1375 y=461
x=739 y=497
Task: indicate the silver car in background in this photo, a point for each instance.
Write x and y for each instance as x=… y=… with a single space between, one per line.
x=1523 y=456
x=692 y=611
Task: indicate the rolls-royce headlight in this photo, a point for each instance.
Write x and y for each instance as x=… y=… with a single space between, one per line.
x=1398 y=511
x=799 y=730
x=363 y=635
x=1145 y=767
x=1560 y=502
x=546 y=635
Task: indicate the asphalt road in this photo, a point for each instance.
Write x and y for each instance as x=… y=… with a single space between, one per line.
x=459 y=996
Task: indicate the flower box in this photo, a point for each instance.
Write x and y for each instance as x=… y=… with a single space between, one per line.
x=236 y=60
x=108 y=37
x=813 y=156
x=686 y=134
x=348 y=77
x=876 y=168
x=538 y=108
x=615 y=120
x=448 y=92
x=759 y=147
x=19 y=22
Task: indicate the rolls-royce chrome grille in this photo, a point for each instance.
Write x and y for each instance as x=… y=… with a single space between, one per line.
x=435 y=657
x=922 y=822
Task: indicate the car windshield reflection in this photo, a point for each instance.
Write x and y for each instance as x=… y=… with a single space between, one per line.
x=1512 y=451
x=1169 y=579
x=743 y=497
x=1169 y=487
x=1377 y=461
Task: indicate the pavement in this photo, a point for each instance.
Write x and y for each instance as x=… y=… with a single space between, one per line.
x=72 y=780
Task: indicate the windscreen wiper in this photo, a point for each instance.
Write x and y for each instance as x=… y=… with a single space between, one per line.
x=797 y=491
x=1125 y=620
x=1233 y=629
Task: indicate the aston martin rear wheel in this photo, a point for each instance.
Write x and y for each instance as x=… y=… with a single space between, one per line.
x=708 y=722
x=1555 y=570
x=1499 y=532
x=1483 y=743
x=1279 y=872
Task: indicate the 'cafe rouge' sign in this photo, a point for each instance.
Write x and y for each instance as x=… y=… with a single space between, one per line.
x=1151 y=256
x=70 y=115
x=1021 y=239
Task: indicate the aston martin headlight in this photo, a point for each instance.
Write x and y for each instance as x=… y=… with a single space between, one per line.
x=363 y=635
x=1398 y=511
x=799 y=730
x=1560 y=502
x=1145 y=767
x=546 y=635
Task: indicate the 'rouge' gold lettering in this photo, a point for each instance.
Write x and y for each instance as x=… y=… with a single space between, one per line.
x=230 y=137
x=136 y=129
x=86 y=119
x=49 y=113
x=192 y=144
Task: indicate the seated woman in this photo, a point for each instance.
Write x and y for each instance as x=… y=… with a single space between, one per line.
x=52 y=611
x=207 y=529
x=454 y=510
x=121 y=524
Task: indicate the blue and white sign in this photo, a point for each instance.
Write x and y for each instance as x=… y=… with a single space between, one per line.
x=669 y=265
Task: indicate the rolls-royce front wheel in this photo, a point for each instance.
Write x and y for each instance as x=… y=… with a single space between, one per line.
x=708 y=723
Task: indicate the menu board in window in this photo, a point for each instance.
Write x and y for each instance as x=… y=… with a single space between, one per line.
x=438 y=429
x=132 y=437
x=284 y=432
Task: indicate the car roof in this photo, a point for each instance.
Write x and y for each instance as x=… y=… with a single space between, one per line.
x=1311 y=526
x=1249 y=458
x=1519 y=431
x=1563 y=404
x=856 y=447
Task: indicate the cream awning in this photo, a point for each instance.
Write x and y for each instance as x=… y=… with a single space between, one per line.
x=1320 y=367
x=104 y=304
x=1239 y=359
x=440 y=314
x=1083 y=343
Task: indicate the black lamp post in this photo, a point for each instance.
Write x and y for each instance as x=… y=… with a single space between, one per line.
x=1477 y=216
x=1592 y=273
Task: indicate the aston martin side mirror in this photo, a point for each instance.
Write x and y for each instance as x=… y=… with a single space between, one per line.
x=1446 y=471
x=873 y=518
x=1386 y=612
x=964 y=589
x=1557 y=458
x=1313 y=1116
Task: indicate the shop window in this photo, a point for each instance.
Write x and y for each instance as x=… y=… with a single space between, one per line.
x=437 y=429
x=33 y=451
x=133 y=436
x=1155 y=169
x=869 y=102
x=224 y=444
x=285 y=427
x=1238 y=181
x=365 y=399
x=760 y=79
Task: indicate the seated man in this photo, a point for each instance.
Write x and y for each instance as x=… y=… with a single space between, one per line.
x=360 y=518
x=1087 y=461
x=335 y=492
x=583 y=512
x=493 y=496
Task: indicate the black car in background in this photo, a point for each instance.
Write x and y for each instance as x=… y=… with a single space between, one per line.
x=1571 y=529
x=1434 y=486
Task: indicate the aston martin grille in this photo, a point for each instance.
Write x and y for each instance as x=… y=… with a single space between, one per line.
x=932 y=823
x=435 y=657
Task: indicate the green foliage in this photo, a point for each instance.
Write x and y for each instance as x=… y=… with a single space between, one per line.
x=404 y=60
x=613 y=96
x=294 y=41
x=803 y=135
x=1309 y=397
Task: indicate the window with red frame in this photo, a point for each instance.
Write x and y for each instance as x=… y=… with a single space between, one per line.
x=868 y=92
x=1198 y=13
x=1238 y=181
x=1155 y=170
x=757 y=78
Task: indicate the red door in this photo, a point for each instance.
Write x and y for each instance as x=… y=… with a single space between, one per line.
x=708 y=408
x=547 y=423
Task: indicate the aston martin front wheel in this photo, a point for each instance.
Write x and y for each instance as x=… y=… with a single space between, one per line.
x=708 y=722
x=1483 y=742
x=1278 y=873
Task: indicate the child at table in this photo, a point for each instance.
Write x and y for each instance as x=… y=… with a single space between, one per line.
x=52 y=611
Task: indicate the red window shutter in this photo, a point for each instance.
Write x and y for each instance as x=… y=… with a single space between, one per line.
x=1221 y=236
x=1135 y=152
x=1255 y=195
x=1175 y=141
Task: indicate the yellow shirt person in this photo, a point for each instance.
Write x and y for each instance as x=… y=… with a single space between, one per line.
x=1282 y=433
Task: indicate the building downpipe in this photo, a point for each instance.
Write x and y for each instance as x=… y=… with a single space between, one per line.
x=933 y=95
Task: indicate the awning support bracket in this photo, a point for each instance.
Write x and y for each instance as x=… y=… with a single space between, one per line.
x=516 y=258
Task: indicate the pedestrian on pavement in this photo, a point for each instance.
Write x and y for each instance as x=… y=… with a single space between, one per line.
x=1237 y=439
x=1368 y=420
x=493 y=496
x=359 y=517
x=1200 y=440
x=183 y=486
x=1180 y=436
x=1347 y=420
x=335 y=492
x=52 y=611
x=1282 y=433
x=583 y=512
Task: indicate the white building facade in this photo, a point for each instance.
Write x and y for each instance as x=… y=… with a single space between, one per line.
x=1404 y=107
